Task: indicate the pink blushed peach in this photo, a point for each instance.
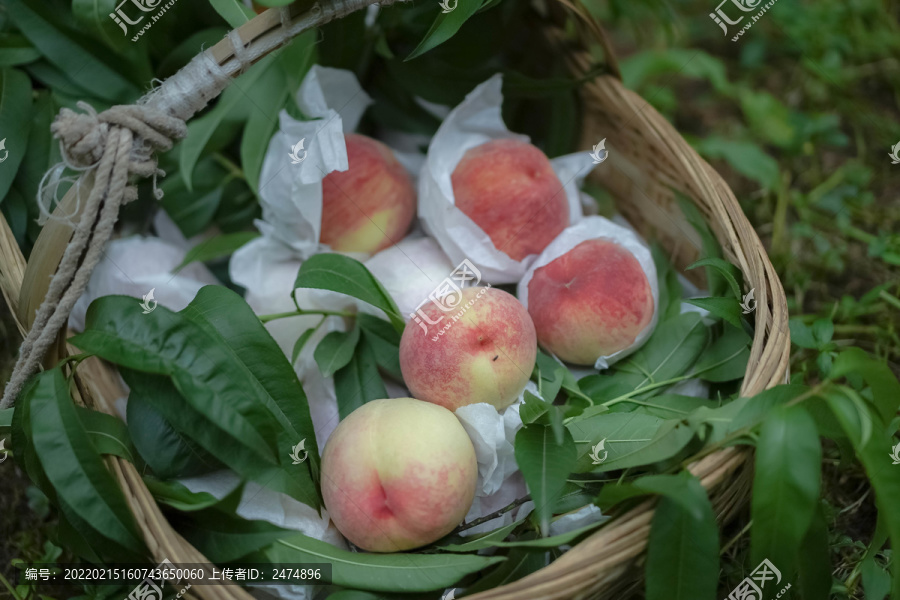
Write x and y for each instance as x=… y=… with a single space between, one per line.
x=371 y=205
x=509 y=189
x=482 y=350
x=398 y=474
x=592 y=301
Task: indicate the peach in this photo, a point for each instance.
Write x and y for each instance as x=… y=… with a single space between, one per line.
x=398 y=474
x=371 y=205
x=481 y=350
x=509 y=189
x=592 y=301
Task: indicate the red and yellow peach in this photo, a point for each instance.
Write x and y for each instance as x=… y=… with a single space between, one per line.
x=509 y=189
x=398 y=474
x=481 y=350
x=371 y=205
x=592 y=301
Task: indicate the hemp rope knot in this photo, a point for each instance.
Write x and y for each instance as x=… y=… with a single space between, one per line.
x=83 y=138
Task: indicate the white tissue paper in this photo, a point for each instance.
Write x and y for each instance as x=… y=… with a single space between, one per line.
x=475 y=121
x=262 y=504
x=590 y=228
x=291 y=194
x=500 y=482
x=134 y=266
x=409 y=271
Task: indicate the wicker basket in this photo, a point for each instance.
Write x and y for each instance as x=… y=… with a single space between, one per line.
x=647 y=161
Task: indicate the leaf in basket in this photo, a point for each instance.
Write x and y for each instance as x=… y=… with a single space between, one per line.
x=726 y=358
x=728 y=309
x=629 y=439
x=223 y=536
x=336 y=350
x=553 y=541
x=108 y=434
x=669 y=287
x=262 y=124
x=728 y=271
x=168 y=452
x=874 y=456
x=201 y=129
x=95 y=78
x=168 y=343
x=216 y=380
x=74 y=467
x=488 y=540
x=346 y=275
x=15 y=50
x=15 y=122
x=223 y=312
x=377 y=572
x=446 y=24
x=668 y=354
x=545 y=464
x=668 y=406
x=216 y=247
x=519 y=563
x=235 y=12
x=176 y=495
x=786 y=483
x=760 y=406
x=714 y=281
x=384 y=341
x=683 y=547
x=221 y=444
x=358 y=382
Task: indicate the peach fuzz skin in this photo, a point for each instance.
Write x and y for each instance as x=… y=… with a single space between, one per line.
x=590 y=302
x=512 y=193
x=371 y=205
x=398 y=474
x=486 y=355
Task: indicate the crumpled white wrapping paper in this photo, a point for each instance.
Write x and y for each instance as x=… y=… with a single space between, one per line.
x=409 y=271
x=291 y=194
x=133 y=266
x=475 y=121
x=596 y=227
x=262 y=504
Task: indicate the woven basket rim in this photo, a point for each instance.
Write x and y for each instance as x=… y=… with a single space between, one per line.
x=589 y=567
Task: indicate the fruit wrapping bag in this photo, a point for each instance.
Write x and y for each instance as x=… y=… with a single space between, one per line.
x=475 y=121
x=591 y=228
